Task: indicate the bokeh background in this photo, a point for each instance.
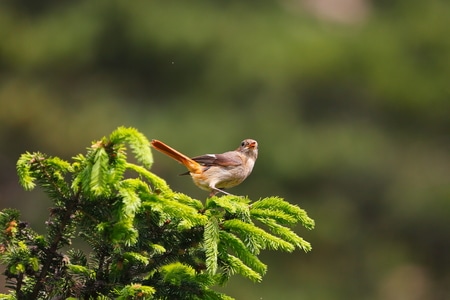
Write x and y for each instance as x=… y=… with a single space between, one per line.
x=348 y=99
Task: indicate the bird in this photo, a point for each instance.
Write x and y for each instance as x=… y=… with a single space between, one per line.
x=216 y=172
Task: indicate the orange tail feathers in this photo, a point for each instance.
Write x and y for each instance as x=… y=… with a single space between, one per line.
x=190 y=164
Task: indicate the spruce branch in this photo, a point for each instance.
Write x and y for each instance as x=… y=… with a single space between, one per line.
x=138 y=143
x=277 y=206
x=211 y=242
x=263 y=239
x=55 y=244
x=238 y=247
x=145 y=240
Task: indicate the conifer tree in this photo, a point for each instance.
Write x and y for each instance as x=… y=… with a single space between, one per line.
x=145 y=240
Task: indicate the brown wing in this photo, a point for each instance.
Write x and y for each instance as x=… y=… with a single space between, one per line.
x=226 y=159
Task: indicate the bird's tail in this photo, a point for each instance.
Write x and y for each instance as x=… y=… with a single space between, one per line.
x=190 y=164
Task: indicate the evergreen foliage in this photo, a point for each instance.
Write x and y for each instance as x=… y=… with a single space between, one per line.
x=146 y=241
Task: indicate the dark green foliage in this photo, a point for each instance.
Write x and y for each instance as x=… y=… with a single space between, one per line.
x=146 y=241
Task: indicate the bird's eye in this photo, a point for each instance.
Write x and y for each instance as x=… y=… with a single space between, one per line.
x=242 y=144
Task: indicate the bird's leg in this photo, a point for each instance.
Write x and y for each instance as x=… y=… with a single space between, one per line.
x=215 y=190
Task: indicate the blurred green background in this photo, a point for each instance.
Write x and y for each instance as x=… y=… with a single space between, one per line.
x=349 y=101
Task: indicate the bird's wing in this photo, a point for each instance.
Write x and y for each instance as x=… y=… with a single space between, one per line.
x=226 y=159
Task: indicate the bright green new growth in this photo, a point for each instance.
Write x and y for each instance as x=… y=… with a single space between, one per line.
x=146 y=241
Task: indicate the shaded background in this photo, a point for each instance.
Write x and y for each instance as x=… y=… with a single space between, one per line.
x=349 y=101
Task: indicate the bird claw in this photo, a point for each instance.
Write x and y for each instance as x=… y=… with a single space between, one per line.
x=214 y=191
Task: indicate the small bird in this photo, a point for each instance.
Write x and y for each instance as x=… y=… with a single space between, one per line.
x=215 y=172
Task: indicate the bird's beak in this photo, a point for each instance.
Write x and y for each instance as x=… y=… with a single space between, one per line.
x=252 y=145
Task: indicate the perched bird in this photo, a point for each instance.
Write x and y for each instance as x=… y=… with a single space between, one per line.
x=215 y=172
